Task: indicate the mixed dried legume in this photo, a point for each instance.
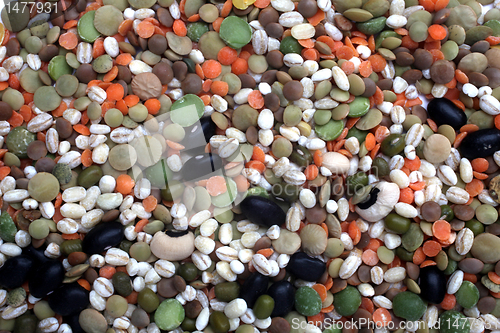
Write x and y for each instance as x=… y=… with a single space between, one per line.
x=250 y=166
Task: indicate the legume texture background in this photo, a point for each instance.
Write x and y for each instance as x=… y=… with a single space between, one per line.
x=330 y=194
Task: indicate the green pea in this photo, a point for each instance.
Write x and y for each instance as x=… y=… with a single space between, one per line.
x=403 y=254
x=122 y=284
x=359 y=107
x=397 y=223
x=148 y=300
x=393 y=145
x=258 y=191
x=453 y=322
x=301 y=156
x=447 y=212
x=227 y=291
x=263 y=307
x=8 y=228
x=467 y=295
x=409 y=306
x=308 y=301
x=372 y=26
x=347 y=301
x=169 y=315
x=290 y=45
x=196 y=30
x=380 y=167
x=18 y=140
x=90 y=176
x=27 y=323
x=189 y=324
x=330 y=131
x=188 y=271
x=356 y=182
x=288 y=192
x=125 y=245
x=413 y=238
x=475 y=226
x=219 y=322
x=357 y=133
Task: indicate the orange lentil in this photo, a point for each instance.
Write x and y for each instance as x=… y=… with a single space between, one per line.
x=124 y=184
x=441 y=229
x=458 y=139
x=227 y=55
x=239 y=66
x=381 y=317
x=406 y=195
x=480 y=164
x=378 y=63
x=369 y=257
x=84 y=283
x=266 y=252
x=153 y=105
x=474 y=187
x=311 y=172
x=431 y=248
x=131 y=100
x=418 y=256
x=107 y=272
x=321 y=290
x=255 y=99
x=220 y=88
x=317 y=18
x=448 y=302
x=139 y=226
x=150 y=203
x=179 y=28
x=365 y=68
x=258 y=154
x=145 y=29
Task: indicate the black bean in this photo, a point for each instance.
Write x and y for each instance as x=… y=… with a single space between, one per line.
x=102 y=236
x=481 y=143
x=47 y=278
x=443 y=111
x=69 y=299
x=262 y=211
x=15 y=271
x=305 y=267
x=283 y=294
x=253 y=287
x=432 y=284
